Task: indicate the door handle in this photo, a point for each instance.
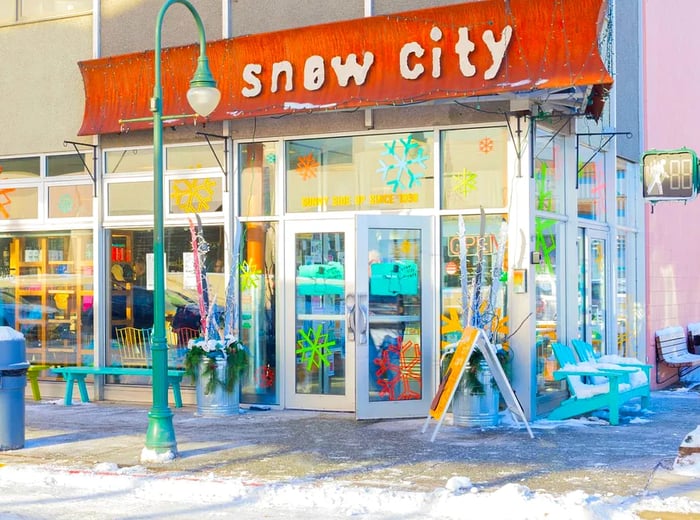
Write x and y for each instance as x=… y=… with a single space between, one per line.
x=350 y=316
x=362 y=316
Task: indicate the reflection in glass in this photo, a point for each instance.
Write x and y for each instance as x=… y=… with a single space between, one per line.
x=394 y=314
x=320 y=313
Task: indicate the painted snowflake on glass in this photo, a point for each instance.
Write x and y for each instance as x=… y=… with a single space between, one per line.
x=486 y=145
x=5 y=200
x=193 y=195
x=65 y=204
x=465 y=182
x=399 y=371
x=307 y=166
x=314 y=347
x=271 y=158
x=249 y=275
x=407 y=156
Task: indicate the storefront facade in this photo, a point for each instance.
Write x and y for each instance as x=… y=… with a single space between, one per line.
x=352 y=172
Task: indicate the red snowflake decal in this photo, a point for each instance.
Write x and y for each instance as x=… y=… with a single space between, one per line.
x=266 y=376
x=486 y=145
x=307 y=166
x=406 y=375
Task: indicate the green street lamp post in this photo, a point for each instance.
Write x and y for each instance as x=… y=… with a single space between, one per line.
x=203 y=96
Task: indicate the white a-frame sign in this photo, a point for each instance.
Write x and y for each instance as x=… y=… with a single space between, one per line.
x=471 y=338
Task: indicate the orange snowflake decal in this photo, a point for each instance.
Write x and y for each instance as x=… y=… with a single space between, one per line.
x=5 y=201
x=486 y=145
x=307 y=166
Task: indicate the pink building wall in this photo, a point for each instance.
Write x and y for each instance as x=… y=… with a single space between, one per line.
x=671 y=105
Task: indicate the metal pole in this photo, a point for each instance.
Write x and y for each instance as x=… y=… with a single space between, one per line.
x=160 y=437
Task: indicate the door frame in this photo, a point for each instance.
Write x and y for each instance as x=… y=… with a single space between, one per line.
x=396 y=408
x=292 y=399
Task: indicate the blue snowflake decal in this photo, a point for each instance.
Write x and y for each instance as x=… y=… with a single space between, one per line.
x=406 y=155
x=65 y=203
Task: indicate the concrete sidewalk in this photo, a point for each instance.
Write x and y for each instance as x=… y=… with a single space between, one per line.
x=284 y=445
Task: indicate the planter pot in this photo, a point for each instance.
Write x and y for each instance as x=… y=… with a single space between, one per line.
x=480 y=409
x=218 y=403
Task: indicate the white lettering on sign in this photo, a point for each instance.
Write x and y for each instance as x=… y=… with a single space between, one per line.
x=463 y=48
x=351 y=69
x=314 y=73
x=436 y=36
x=277 y=70
x=406 y=51
x=497 y=49
x=410 y=64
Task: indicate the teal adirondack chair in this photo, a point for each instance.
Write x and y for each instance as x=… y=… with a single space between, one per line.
x=587 y=397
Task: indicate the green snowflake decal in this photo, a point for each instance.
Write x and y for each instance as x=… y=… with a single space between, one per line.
x=249 y=275
x=465 y=182
x=314 y=348
x=271 y=158
x=405 y=160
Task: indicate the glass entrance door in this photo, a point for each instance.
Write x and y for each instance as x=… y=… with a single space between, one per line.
x=393 y=316
x=592 y=288
x=318 y=348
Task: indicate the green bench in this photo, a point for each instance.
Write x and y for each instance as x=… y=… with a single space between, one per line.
x=78 y=374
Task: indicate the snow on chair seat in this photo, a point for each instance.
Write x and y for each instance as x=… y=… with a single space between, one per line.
x=638 y=372
x=586 y=397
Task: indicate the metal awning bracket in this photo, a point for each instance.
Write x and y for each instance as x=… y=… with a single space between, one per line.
x=226 y=139
x=92 y=173
x=609 y=136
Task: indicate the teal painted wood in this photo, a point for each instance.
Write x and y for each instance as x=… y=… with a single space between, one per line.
x=77 y=375
x=580 y=405
x=585 y=352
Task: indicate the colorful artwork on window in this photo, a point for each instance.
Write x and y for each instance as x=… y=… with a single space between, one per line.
x=307 y=167
x=249 y=274
x=406 y=157
x=314 y=348
x=486 y=145
x=193 y=195
x=398 y=371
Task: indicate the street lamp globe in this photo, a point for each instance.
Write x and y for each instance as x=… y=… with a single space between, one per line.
x=203 y=96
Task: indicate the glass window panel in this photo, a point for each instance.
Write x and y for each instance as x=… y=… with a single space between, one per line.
x=129 y=198
x=452 y=265
x=48 y=296
x=591 y=184
x=73 y=200
x=194 y=157
x=258 y=268
x=258 y=178
x=474 y=168
x=67 y=164
x=547 y=296
x=201 y=195
x=379 y=172
x=549 y=167
x=624 y=185
x=129 y=161
x=625 y=347
x=20 y=168
x=19 y=203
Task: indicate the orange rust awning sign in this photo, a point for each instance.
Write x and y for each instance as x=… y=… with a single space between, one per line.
x=468 y=49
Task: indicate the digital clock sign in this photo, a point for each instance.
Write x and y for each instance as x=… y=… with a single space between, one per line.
x=669 y=175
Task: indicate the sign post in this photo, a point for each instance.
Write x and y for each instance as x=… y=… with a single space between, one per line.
x=471 y=338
